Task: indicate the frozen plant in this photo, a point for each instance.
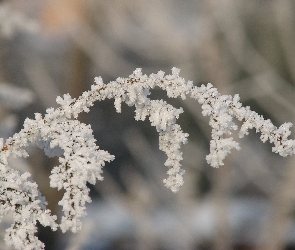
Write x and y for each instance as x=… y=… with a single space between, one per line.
x=60 y=134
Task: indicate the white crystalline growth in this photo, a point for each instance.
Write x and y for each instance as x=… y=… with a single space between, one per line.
x=81 y=161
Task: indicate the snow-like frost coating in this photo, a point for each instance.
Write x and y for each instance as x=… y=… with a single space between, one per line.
x=81 y=161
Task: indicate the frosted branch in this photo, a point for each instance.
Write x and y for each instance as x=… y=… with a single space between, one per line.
x=81 y=161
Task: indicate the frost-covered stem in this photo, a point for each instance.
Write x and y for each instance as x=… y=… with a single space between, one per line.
x=20 y=196
x=60 y=134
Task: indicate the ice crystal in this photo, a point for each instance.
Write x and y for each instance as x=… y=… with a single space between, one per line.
x=60 y=134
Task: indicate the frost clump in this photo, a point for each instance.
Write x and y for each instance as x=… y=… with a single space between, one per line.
x=60 y=134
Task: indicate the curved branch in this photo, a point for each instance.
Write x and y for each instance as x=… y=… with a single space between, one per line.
x=81 y=161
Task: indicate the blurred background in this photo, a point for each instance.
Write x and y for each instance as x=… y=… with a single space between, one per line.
x=52 y=47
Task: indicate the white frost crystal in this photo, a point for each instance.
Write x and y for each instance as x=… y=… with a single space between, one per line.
x=60 y=134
